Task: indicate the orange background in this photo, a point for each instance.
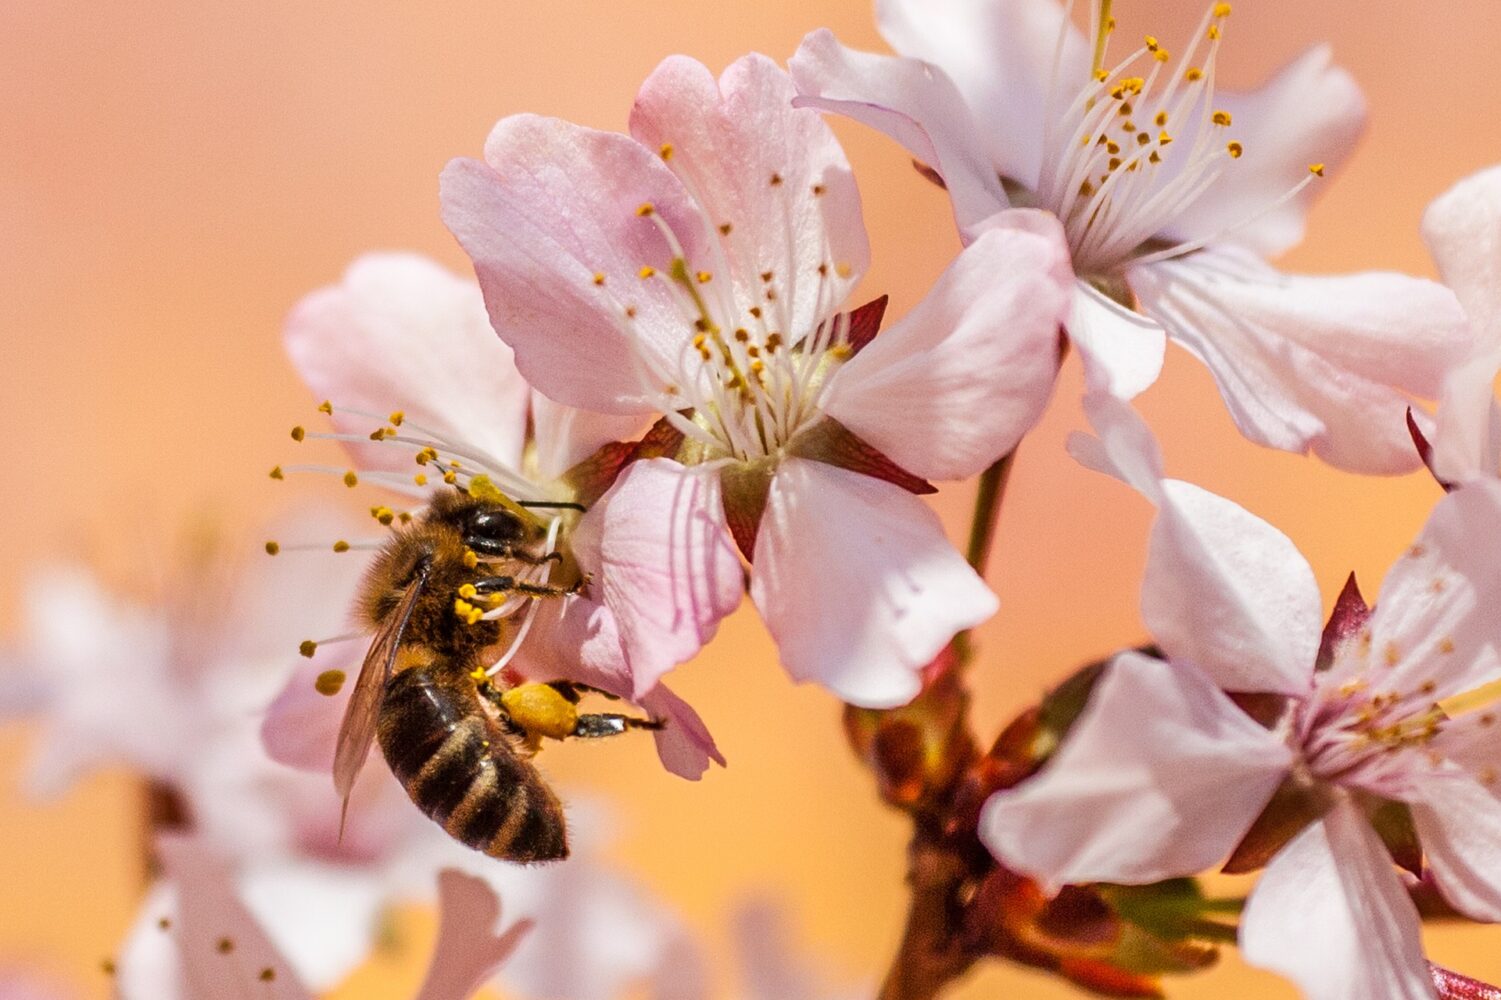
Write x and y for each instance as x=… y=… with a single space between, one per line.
x=174 y=174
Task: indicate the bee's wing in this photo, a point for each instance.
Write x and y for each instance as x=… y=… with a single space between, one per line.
x=357 y=731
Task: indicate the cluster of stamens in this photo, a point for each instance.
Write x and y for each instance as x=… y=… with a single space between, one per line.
x=1131 y=151
x=750 y=381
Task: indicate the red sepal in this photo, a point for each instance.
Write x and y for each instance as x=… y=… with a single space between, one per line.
x=1346 y=620
x=1425 y=450
x=1453 y=986
x=831 y=442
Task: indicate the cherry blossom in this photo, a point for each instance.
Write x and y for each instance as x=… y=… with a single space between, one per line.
x=1171 y=194
x=1163 y=774
x=1463 y=231
x=695 y=269
x=206 y=942
x=400 y=333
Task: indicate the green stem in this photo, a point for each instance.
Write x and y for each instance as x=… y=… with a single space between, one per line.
x=987 y=511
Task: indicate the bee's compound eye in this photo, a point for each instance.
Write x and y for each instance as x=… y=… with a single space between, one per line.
x=493 y=531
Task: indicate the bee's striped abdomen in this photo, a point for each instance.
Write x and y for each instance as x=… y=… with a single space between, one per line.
x=459 y=768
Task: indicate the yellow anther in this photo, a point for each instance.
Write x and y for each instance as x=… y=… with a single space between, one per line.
x=1112 y=147
x=405 y=517
x=1235 y=150
x=471 y=559
x=1125 y=108
x=630 y=312
x=1317 y=169
x=1086 y=189
x=1101 y=75
x=307 y=647
x=426 y=455
x=381 y=433
x=704 y=277
x=665 y=151
x=1194 y=75
x=841 y=352
x=776 y=180
x=276 y=473
x=329 y=682
x=1142 y=139
x=272 y=548
x=725 y=229
x=326 y=407
x=1391 y=654
x=646 y=210
x=819 y=190
x=396 y=418
x=757 y=367
x=755 y=311
x=299 y=432
x=468 y=592
x=1151 y=43
x=1446 y=645
x=1161 y=119
x=1115 y=163
x=385 y=515
x=647 y=271
x=341 y=546
x=1214 y=32
x=1221 y=10
x=1221 y=118
x=351 y=480
x=225 y=946
x=843 y=269
x=420 y=479
x=599 y=277
x=1163 y=138
x=268 y=974
x=1161 y=55
x=742 y=334
x=773 y=341
x=450 y=478
x=1128 y=126
x=1156 y=157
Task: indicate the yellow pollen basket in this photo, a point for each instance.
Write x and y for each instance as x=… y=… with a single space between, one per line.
x=541 y=710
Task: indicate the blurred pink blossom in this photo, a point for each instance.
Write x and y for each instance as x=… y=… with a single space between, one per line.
x=695 y=269
x=1163 y=774
x=1171 y=195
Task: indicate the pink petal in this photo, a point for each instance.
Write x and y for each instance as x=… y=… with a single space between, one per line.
x=1466 y=438
x=578 y=640
x=1229 y=592
x=1309 y=112
x=468 y=950
x=1435 y=621
x=402 y=333
x=1122 y=352
x=1331 y=915
x=956 y=383
x=565 y=436
x=1160 y=777
x=1458 y=821
x=1321 y=363
x=301 y=726
x=664 y=564
x=1223 y=589
x=1463 y=231
x=773 y=172
x=209 y=913
x=857 y=583
x=1003 y=57
x=554 y=208
x=914 y=103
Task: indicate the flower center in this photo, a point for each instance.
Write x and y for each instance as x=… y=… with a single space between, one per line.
x=1139 y=144
x=750 y=382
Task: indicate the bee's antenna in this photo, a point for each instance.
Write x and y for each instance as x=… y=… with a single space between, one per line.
x=553 y=505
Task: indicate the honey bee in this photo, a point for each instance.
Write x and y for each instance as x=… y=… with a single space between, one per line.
x=460 y=744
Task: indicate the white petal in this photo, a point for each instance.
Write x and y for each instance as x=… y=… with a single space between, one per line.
x=1466 y=436
x=1003 y=57
x=1435 y=621
x=913 y=102
x=1160 y=777
x=1121 y=351
x=1326 y=364
x=956 y=383
x=402 y=333
x=1125 y=447
x=1459 y=825
x=1310 y=112
x=1463 y=231
x=565 y=436
x=1229 y=592
x=1331 y=915
x=857 y=583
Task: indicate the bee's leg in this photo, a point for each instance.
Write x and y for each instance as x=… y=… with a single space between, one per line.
x=610 y=724
x=522 y=557
x=511 y=585
x=574 y=691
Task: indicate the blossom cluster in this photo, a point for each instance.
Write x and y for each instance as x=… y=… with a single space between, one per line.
x=661 y=350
